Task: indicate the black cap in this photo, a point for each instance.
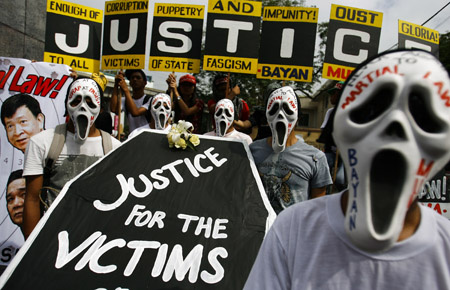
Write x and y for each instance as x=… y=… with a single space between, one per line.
x=129 y=72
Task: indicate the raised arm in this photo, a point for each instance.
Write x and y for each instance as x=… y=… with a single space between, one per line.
x=131 y=106
x=32 y=210
x=116 y=95
x=188 y=111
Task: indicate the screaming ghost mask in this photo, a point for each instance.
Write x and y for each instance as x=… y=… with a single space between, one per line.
x=282 y=114
x=83 y=106
x=160 y=108
x=392 y=125
x=224 y=116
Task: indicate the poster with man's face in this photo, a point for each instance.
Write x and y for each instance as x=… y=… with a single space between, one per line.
x=32 y=96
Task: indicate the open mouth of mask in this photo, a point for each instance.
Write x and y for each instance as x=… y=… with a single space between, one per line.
x=222 y=128
x=386 y=183
x=281 y=132
x=82 y=126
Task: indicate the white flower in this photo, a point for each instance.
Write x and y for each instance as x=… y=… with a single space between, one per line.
x=184 y=125
x=180 y=136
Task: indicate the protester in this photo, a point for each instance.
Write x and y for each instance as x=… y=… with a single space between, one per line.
x=394 y=134
x=291 y=170
x=186 y=104
x=136 y=105
x=325 y=137
x=224 y=117
x=160 y=109
x=15 y=196
x=224 y=88
x=22 y=117
x=71 y=148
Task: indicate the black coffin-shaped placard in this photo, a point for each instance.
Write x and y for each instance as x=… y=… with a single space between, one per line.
x=151 y=217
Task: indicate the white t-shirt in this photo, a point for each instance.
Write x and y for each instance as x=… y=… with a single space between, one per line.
x=139 y=121
x=307 y=248
x=39 y=146
x=234 y=134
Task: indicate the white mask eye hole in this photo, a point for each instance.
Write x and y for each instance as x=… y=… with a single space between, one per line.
x=375 y=106
x=157 y=105
x=287 y=110
x=166 y=106
x=90 y=103
x=76 y=101
x=421 y=112
x=274 y=109
x=228 y=114
x=219 y=112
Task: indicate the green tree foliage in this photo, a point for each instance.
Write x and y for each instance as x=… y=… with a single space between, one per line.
x=252 y=89
x=444 y=50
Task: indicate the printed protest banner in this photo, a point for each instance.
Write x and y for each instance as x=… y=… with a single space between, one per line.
x=415 y=36
x=176 y=37
x=353 y=36
x=22 y=117
x=287 y=43
x=232 y=36
x=147 y=216
x=73 y=35
x=436 y=193
x=124 y=34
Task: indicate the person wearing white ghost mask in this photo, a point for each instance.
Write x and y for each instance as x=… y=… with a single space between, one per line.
x=83 y=145
x=392 y=124
x=291 y=170
x=224 y=117
x=160 y=108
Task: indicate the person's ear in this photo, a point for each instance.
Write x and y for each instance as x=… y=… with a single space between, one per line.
x=41 y=120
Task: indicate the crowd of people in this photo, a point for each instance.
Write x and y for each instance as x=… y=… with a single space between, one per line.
x=372 y=234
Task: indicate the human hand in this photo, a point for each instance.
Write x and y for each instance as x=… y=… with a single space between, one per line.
x=171 y=78
x=73 y=74
x=119 y=76
x=123 y=85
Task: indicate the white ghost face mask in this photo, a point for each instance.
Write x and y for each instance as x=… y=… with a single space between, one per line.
x=224 y=116
x=83 y=106
x=161 y=108
x=282 y=114
x=392 y=126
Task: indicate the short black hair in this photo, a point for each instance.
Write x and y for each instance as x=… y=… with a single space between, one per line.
x=129 y=72
x=11 y=104
x=14 y=175
x=68 y=91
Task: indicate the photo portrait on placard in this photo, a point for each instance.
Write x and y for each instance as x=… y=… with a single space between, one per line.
x=32 y=98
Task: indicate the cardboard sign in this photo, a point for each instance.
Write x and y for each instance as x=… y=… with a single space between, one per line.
x=415 y=36
x=436 y=193
x=232 y=36
x=124 y=33
x=176 y=38
x=73 y=35
x=353 y=36
x=148 y=216
x=47 y=84
x=287 y=43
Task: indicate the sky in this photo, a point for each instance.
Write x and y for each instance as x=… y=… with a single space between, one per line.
x=414 y=11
